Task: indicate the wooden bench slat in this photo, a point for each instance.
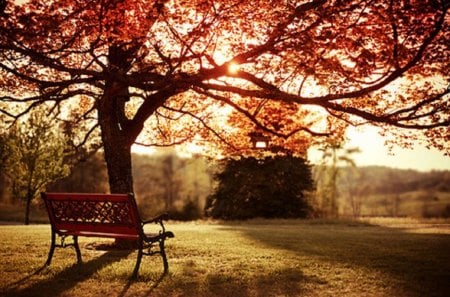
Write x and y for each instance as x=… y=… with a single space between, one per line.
x=71 y=229
x=99 y=234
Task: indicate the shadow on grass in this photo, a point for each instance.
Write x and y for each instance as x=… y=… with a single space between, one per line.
x=56 y=284
x=124 y=291
x=23 y=280
x=417 y=263
x=282 y=282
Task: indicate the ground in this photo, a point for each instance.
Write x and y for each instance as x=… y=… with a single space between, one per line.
x=378 y=257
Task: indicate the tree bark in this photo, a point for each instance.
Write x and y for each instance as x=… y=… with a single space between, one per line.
x=114 y=124
x=117 y=143
x=118 y=132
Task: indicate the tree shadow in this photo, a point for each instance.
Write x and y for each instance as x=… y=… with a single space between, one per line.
x=23 y=280
x=150 y=291
x=419 y=263
x=60 y=282
x=282 y=282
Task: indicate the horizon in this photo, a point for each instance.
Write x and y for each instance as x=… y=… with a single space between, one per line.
x=375 y=153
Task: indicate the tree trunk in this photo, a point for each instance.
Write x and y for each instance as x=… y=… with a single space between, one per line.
x=117 y=143
x=118 y=132
x=118 y=161
x=27 y=208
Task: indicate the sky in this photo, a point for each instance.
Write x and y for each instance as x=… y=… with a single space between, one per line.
x=374 y=152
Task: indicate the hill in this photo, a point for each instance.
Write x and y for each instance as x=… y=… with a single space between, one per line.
x=384 y=191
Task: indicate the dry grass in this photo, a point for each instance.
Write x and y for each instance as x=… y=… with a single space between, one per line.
x=255 y=258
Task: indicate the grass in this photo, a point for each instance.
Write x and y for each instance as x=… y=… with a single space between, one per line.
x=382 y=257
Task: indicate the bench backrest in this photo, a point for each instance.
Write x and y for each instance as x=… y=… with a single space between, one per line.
x=102 y=213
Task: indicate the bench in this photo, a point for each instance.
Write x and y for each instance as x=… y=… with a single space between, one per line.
x=102 y=215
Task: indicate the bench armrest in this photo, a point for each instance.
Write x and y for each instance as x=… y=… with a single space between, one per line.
x=158 y=220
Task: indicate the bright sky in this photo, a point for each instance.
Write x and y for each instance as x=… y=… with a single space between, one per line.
x=374 y=152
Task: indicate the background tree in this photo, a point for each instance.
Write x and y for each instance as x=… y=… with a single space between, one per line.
x=162 y=72
x=395 y=185
x=86 y=176
x=168 y=182
x=3 y=164
x=327 y=173
x=37 y=153
x=273 y=187
x=356 y=186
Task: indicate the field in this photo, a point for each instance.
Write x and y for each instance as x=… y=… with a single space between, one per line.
x=377 y=257
x=411 y=204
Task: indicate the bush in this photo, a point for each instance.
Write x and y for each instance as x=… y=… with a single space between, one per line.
x=273 y=187
x=189 y=212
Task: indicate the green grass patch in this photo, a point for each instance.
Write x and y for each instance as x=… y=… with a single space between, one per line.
x=254 y=258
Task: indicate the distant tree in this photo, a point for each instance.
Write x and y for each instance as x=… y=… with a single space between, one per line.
x=356 y=186
x=149 y=192
x=167 y=181
x=171 y=179
x=395 y=184
x=37 y=152
x=199 y=179
x=334 y=156
x=3 y=158
x=160 y=181
x=273 y=187
x=3 y=151
x=86 y=176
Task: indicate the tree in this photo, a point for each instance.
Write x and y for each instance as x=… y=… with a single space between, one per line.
x=273 y=187
x=357 y=186
x=3 y=158
x=162 y=72
x=395 y=184
x=36 y=157
x=327 y=174
x=169 y=182
x=87 y=176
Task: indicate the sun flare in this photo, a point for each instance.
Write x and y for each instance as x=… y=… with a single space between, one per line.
x=233 y=67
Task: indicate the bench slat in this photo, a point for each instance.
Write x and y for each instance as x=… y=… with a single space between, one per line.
x=99 y=234
x=85 y=212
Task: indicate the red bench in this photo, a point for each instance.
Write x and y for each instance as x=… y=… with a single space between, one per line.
x=102 y=215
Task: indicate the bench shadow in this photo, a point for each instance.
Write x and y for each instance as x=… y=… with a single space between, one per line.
x=60 y=282
x=422 y=260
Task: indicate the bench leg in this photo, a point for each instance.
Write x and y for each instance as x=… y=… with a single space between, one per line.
x=163 y=255
x=138 y=260
x=52 y=249
x=77 y=249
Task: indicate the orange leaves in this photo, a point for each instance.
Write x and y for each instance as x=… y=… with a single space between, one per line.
x=128 y=20
x=297 y=65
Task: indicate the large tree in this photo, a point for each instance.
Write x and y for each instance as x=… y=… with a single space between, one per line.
x=164 y=71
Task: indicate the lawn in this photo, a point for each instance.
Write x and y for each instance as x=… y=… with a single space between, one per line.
x=255 y=258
